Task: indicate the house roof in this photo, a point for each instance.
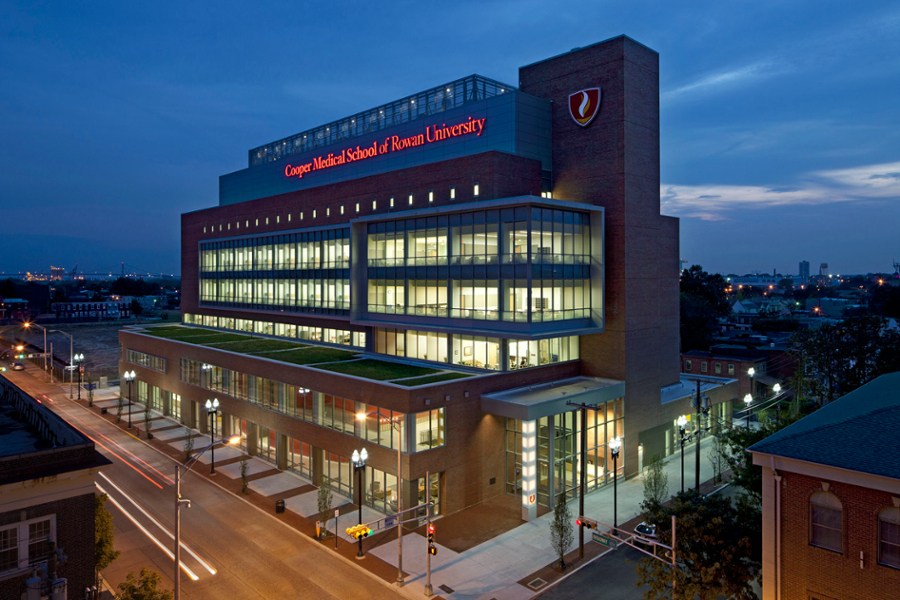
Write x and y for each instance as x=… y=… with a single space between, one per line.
x=857 y=432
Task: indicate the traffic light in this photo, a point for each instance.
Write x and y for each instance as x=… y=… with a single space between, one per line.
x=432 y=549
x=359 y=531
x=586 y=523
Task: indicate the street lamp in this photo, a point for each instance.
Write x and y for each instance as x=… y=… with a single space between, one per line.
x=44 y=329
x=748 y=399
x=78 y=359
x=751 y=372
x=777 y=390
x=682 y=421
x=179 y=502
x=71 y=344
x=129 y=377
x=359 y=466
x=361 y=416
x=212 y=409
x=614 y=445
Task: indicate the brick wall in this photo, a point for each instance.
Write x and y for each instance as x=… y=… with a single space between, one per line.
x=74 y=535
x=808 y=570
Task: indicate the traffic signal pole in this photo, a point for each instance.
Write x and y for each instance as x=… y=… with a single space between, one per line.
x=429 y=591
x=582 y=479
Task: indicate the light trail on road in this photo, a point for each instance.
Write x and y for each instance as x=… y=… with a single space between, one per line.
x=206 y=565
x=168 y=552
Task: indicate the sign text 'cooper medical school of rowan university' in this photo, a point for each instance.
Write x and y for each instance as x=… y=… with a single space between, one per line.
x=433 y=133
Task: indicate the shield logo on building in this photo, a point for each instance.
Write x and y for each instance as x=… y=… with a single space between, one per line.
x=583 y=105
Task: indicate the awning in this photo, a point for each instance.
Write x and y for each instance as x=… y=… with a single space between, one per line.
x=536 y=401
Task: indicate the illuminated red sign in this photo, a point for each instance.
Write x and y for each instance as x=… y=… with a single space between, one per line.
x=394 y=143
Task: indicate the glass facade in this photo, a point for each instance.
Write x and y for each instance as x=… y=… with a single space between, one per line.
x=327 y=335
x=149 y=361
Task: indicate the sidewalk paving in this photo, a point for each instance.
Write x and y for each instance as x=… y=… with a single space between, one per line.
x=497 y=568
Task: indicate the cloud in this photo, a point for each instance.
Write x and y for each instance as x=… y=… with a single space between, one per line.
x=718 y=202
x=730 y=78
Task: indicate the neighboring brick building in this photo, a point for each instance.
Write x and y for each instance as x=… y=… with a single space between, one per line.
x=496 y=235
x=831 y=500
x=47 y=471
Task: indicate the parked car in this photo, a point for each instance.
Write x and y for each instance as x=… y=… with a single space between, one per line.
x=646 y=530
x=18 y=367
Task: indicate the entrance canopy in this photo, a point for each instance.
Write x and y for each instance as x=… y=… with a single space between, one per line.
x=534 y=402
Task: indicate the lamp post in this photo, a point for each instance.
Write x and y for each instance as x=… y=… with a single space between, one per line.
x=79 y=359
x=682 y=421
x=614 y=445
x=212 y=409
x=361 y=416
x=748 y=400
x=777 y=390
x=179 y=501
x=129 y=377
x=752 y=373
x=359 y=466
x=44 y=329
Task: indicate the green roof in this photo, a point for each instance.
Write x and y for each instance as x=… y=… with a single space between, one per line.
x=857 y=432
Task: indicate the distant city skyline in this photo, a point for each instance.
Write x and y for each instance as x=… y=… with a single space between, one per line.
x=780 y=138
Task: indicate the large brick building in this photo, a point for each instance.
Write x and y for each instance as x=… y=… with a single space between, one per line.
x=47 y=470
x=831 y=500
x=457 y=265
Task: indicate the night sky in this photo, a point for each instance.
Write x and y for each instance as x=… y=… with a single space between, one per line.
x=780 y=121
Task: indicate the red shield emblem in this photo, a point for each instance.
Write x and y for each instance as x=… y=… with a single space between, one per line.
x=583 y=105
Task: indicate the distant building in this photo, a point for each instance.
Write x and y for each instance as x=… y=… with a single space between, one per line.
x=804 y=270
x=831 y=499
x=107 y=310
x=15 y=308
x=732 y=366
x=47 y=470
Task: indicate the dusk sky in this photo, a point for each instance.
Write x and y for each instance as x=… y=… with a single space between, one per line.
x=780 y=122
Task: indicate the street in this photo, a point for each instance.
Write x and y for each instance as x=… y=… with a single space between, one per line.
x=230 y=548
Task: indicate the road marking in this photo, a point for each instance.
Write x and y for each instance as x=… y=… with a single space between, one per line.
x=171 y=555
x=206 y=565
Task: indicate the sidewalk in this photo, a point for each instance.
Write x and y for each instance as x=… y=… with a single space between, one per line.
x=500 y=567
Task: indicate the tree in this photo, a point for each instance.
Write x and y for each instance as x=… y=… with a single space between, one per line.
x=714 y=554
x=703 y=302
x=718 y=458
x=147 y=417
x=104 y=553
x=562 y=531
x=8 y=289
x=136 y=309
x=324 y=499
x=120 y=405
x=245 y=483
x=189 y=444
x=656 y=481
x=143 y=588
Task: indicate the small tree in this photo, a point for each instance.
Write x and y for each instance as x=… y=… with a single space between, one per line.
x=656 y=481
x=143 y=588
x=136 y=310
x=90 y=392
x=324 y=499
x=562 y=531
x=718 y=457
x=147 y=417
x=189 y=444
x=244 y=481
x=104 y=553
x=119 y=406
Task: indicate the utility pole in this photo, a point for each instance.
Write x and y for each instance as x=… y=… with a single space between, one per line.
x=582 y=479
x=699 y=431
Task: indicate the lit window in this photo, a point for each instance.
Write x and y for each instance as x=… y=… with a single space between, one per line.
x=277 y=219
x=374 y=204
x=410 y=198
x=301 y=215
x=392 y=202
x=229 y=227
x=476 y=189
x=257 y=222
x=204 y=229
x=452 y=192
x=247 y=223
x=267 y=220
x=237 y=225
x=289 y=217
x=826 y=525
x=889 y=537
x=314 y=213
x=327 y=211
x=220 y=227
x=687 y=365
x=357 y=207
x=431 y=195
x=342 y=209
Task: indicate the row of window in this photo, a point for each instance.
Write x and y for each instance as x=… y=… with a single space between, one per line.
x=704 y=367
x=474 y=351
x=157 y=363
x=826 y=528
x=308 y=250
x=287 y=293
x=295 y=332
x=547 y=300
x=379 y=425
x=410 y=201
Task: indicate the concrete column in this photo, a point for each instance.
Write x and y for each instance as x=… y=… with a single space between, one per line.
x=166 y=402
x=316 y=466
x=203 y=425
x=281 y=451
x=529 y=470
x=188 y=412
x=252 y=438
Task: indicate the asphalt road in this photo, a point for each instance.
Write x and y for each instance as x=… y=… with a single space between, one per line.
x=234 y=550
x=610 y=577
